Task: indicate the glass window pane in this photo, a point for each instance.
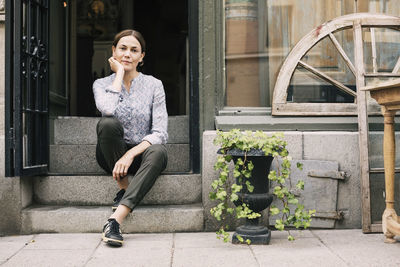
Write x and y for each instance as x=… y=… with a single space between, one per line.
x=259 y=34
x=323 y=77
x=377 y=189
x=381 y=49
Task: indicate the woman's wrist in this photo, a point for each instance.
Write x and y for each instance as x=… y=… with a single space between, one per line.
x=119 y=75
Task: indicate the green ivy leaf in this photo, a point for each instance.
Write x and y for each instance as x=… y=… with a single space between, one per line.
x=279 y=225
x=236 y=188
x=273 y=211
x=300 y=184
x=250 y=187
x=212 y=195
x=234 y=197
x=299 y=166
x=290 y=238
x=214 y=184
x=250 y=166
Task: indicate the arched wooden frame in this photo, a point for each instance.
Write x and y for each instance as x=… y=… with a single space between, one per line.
x=281 y=107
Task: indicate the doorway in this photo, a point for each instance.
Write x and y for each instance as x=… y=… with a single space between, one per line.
x=84 y=50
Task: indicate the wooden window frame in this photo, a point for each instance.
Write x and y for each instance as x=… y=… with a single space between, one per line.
x=280 y=106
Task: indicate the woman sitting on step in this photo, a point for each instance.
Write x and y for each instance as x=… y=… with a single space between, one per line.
x=133 y=130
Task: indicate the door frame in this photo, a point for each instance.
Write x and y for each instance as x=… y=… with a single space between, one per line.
x=33 y=47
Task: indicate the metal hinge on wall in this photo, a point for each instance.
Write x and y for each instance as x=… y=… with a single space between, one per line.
x=338 y=175
x=330 y=215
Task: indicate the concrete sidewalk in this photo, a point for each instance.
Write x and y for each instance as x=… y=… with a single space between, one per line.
x=311 y=248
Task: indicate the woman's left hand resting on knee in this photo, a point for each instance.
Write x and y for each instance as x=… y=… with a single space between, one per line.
x=122 y=165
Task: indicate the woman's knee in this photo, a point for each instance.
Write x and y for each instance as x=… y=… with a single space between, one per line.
x=157 y=154
x=109 y=126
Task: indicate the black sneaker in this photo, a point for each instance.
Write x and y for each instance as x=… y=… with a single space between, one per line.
x=117 y=199
x=112 y=234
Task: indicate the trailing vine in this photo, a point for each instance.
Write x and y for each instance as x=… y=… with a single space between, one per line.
x=225 y=191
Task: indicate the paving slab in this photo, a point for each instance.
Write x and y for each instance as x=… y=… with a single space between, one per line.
x=160 y=240
x=50 y=258
x=138 y=250
x=359 y=249
x=199 y=240
x=130 y=254
x=301 y=252
x=229 y=255
x=79 y=241
x=10 y=245
x=311 y=248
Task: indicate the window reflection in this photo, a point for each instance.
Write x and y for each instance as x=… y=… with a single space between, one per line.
x=259 y=34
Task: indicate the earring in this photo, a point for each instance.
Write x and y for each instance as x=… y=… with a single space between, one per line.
x=141 y=63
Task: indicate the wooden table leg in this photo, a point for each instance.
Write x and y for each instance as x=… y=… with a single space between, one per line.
x=389 y=217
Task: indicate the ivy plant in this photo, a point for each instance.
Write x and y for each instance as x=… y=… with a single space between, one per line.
x=225 y=190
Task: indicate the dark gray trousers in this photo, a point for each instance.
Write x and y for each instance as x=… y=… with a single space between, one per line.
x=145 y=167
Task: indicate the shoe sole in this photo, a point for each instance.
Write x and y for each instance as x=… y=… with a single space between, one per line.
x=112 y=242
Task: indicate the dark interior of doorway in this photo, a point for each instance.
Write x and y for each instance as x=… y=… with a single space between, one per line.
x=164 y=25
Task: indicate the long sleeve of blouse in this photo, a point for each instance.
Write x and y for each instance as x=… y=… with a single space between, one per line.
x=141 y=111
x=158 y=133
x=105 y=96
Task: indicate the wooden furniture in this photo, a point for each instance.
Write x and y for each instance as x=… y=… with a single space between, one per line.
x=387 y=95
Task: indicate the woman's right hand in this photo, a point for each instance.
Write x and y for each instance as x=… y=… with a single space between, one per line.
x=115 y=65
x=122 y=165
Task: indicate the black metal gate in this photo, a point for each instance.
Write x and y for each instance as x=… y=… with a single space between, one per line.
x=27 y=130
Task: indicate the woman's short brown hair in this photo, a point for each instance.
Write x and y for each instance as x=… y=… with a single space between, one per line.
x=133 y=33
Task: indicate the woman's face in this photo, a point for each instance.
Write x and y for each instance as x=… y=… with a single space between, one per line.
x=128 y=52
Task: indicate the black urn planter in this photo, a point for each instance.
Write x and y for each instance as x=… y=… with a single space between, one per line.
x=258 y=200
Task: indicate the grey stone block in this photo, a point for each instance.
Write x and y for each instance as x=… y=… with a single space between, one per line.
x=81 y=219
x=178 y=129
x=73 y=159
x=75 y=130
x=295 y=147
x=80 y=159
x=10 y=203
x=2 y=151
x=343 y=148
x=100 y=190
x=82 y=130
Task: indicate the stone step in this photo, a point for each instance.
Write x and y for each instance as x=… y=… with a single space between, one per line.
x=87 y=219
x=100 y=190
x=81 y=159
x=82 y=130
